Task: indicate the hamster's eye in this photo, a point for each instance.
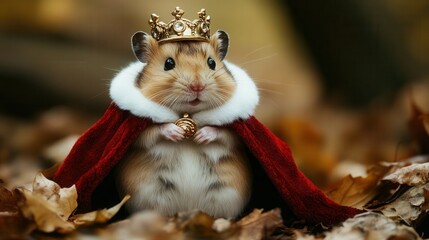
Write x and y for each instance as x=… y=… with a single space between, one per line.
x=211 y=63
x=169 y=64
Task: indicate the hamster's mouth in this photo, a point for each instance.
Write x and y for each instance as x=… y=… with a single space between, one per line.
x=195 y=102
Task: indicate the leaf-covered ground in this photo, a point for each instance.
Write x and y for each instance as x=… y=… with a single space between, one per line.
x=395 y=192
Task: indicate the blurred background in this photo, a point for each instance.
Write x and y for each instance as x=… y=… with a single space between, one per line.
x=337 y=78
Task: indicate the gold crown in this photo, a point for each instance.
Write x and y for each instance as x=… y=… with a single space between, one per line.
x=180 y=28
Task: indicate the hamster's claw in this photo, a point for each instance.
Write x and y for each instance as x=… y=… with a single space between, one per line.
x=172 y=132
x=206 y=135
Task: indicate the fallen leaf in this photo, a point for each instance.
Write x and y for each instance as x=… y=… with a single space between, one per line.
x=258 y=225
x=199 y=225
x=143 y=225
x=62 y=200
x=12 y=222
x=371 y=226
x=8 y=200
x=44 y=214
x=49 y=205
x=99 y=216
x=251 y=217
x=410 y=207
x=195 y=225
x=357 y=191
x=413 y=175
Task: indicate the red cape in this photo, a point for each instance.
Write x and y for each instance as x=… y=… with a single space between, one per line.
x=277 y=180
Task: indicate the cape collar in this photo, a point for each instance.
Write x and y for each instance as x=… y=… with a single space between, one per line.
x=124 y=92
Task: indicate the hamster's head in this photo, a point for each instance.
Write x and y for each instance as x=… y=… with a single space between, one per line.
x=185 y=76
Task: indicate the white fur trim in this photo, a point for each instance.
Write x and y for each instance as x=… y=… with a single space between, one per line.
x=127 y=96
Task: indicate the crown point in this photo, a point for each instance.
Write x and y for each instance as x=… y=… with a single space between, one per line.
x=202 y=13
x=178 y=13
x=153 y=19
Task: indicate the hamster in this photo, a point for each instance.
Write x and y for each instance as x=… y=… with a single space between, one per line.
x=163 y=170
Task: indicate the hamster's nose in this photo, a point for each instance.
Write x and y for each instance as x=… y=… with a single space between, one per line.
x=196 y=86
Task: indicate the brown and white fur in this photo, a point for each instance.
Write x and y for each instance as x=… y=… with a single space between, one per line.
x=163 y=170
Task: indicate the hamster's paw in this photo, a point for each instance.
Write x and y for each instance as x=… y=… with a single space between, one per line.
x=206 y=135
x=172 y=132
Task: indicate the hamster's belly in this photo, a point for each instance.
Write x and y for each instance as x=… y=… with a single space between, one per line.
x=175 y=177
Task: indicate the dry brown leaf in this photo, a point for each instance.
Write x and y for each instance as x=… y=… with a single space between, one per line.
x=49 y=205
x=251 y=217
x=371 y=226
x=194 y=225
x=357 y=191
x=413 y=204
x=143 y=225
x=12 y=222
x=99 y=216
x=62 y=200
x=413 y=175
x=258 y=225
x=44 y=214
x=410 y=207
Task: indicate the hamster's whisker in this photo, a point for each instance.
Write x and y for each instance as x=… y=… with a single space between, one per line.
x=271 y=91
x=157 y=94
x=218 y=75
x=113 y=69
x=174 y=101
x=103 y=92
x=292 y=83
x=178 y=74
x=210 y=74
x=259 y=59
x=214 y=102
x=165 y=101
x=182 y=84
x=226 y=84
x=220 y=98
x=163 y=90
x=255 y=51
x=170 y=100
x=221 y=74
x=220 y=90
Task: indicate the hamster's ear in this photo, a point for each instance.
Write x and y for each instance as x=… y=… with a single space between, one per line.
x=220 y=42
x=143 y=46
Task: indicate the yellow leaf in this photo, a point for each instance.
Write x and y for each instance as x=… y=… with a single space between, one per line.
x=62 y=200
x=258 y=225
x=357 y=191
x=99 y=216
x=49 y=205
x=44 y=214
